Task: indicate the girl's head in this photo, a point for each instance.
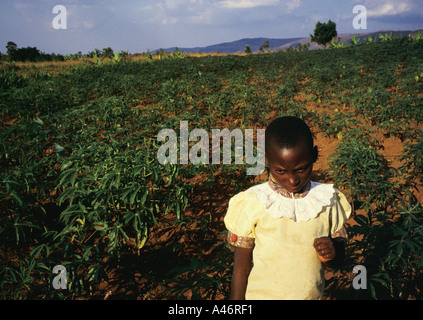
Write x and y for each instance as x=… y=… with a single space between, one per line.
x=290 y=152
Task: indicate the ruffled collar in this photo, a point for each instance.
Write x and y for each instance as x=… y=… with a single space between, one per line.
x=318 y=197
x=282 y=191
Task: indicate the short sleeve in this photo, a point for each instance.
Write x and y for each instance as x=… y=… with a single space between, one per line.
x=238 y=222
x=340 y=213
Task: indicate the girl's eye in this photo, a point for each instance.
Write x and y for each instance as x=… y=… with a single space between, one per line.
x=280 y=171
x=302 y=170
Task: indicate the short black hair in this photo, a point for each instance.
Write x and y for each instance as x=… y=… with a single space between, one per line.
x=287 y=132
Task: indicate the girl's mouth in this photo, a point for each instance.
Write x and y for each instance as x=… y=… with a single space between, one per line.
x=299 y=189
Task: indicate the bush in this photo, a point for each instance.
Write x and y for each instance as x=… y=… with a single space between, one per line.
x=388 y=235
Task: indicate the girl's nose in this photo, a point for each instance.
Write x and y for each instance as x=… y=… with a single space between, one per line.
x=293 y=180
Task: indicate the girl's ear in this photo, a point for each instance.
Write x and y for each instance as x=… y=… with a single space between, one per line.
x=315 y=153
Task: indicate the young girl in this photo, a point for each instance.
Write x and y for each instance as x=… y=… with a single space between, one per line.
x=287 y=229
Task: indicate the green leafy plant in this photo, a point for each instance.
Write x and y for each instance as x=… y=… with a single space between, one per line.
x=81 y=186
x=388 y=221
x=203 y=279
x=355 y=40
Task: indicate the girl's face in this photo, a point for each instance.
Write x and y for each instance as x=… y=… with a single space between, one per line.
x=291 y=168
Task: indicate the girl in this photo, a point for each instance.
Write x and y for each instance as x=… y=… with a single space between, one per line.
x=287 y=229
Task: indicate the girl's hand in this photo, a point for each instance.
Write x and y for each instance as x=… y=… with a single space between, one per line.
x=325 y=249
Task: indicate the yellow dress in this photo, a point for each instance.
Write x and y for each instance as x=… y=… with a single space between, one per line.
x=285 y=263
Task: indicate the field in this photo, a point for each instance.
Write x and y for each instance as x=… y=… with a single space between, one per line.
x=81 y=185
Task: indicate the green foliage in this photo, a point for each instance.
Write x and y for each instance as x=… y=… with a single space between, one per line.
x=337 y=43
x=324 y=32
x=359 y=168
x=203 y=279
x=389 y=223
x=29 y=54
x=413 y=157
x=265 y=46
x=176 y=54
x=355 y=40
x=80 y=183
x=108 y=53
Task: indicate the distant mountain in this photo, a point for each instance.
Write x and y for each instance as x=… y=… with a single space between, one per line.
x=237 y=46
x=279 y=44
x=346 y=38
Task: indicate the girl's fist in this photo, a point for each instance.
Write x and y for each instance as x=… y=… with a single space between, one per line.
x=324 y=248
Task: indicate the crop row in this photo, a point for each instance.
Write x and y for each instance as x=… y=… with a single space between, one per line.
x=80 y=181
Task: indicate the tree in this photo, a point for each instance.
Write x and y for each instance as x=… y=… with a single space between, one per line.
x=27 y=54
x=22 y=54
x=11 y=48
x=324 y=33
x=265 y=46
x=247 y=49
x=108 y=53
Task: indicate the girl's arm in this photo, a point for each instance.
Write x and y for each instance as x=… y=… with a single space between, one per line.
x=241 y=271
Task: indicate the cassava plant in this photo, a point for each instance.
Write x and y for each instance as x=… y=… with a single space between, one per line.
x=387 y=234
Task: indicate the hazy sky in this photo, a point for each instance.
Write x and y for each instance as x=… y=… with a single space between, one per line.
x=138 y=26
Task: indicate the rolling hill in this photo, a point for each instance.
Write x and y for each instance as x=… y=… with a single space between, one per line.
x=238 y=45
x=277 y=44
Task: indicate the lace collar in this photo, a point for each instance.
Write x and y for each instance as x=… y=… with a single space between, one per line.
x=319 y=195
x=282 y=191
